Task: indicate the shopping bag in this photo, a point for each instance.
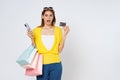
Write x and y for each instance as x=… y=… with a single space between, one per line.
x=27 y=56
x=37 y=70
x=32 y=64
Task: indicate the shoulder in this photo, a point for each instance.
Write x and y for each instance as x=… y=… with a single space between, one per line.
x=58 y=28
x=37 y=28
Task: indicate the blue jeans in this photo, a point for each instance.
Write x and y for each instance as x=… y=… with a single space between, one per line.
x=51 y=72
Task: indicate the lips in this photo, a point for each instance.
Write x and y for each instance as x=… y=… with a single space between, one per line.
x=48 y=20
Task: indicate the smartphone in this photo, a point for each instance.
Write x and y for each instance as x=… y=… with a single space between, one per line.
x=62 y=24
x=27 y=26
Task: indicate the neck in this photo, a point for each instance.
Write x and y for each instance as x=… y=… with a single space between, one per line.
x=48 y=26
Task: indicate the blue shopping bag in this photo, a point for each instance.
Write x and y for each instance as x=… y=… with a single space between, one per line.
x=27 y=56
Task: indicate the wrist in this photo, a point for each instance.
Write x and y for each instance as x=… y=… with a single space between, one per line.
x=32 y=38
x=64 y=36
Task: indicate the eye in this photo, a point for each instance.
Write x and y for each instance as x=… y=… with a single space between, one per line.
x=51 y=15
x=45 y=15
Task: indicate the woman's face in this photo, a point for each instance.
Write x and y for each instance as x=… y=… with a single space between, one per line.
x=48 y=18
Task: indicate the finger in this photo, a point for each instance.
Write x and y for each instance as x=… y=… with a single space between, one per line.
x=66 y=29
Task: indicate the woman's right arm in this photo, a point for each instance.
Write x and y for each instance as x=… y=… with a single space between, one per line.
x=30 y=35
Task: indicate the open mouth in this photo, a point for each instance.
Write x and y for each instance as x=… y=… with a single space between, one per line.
x=48 y=20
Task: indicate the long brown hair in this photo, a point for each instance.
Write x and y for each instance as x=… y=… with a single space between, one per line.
x=43 y=12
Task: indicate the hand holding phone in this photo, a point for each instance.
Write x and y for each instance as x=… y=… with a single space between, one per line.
x=62 y=24
x=29 y=31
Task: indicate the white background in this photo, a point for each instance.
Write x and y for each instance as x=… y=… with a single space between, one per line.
x=92 y=48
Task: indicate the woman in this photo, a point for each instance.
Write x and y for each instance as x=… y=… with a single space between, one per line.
x=49 y=41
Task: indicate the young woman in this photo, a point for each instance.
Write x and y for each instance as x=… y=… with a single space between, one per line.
x=49 y=41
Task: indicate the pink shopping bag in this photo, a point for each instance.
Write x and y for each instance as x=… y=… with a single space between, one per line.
x=33 y=63
x=37 y=70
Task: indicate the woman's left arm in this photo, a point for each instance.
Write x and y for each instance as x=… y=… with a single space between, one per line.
x=66 y=30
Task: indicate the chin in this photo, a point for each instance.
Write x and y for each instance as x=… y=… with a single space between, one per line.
x=49 y=24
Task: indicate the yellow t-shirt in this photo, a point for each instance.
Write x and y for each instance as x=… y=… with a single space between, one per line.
x=52 y=55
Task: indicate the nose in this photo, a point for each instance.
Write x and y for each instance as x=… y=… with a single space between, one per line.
x=48 y=17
